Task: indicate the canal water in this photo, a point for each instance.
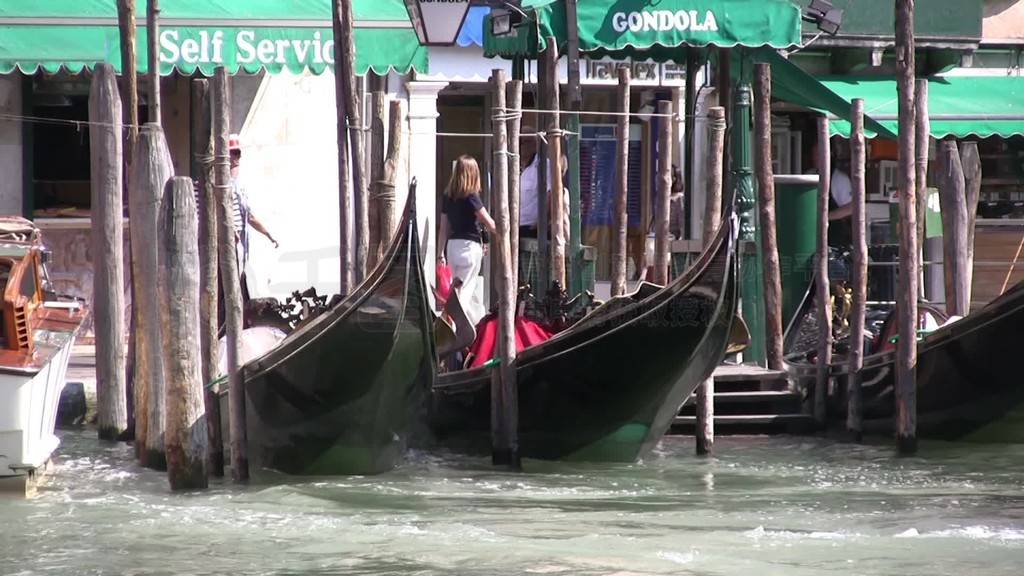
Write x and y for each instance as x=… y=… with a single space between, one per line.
x=763 y=506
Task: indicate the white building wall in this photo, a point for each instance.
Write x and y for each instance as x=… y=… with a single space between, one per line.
x=10 y=145
x=290 y=169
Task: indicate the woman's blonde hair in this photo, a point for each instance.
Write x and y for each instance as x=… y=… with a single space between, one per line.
x=465 y=178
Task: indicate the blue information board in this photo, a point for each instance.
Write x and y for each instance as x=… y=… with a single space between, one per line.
x=597 y=176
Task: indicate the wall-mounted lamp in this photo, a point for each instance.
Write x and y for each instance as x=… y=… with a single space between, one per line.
x=825 y=16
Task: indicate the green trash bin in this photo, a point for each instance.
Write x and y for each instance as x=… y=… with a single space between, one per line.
x=796 y=221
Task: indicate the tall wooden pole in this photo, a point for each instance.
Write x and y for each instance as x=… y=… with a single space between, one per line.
x=705 y=432
x=953 y=207
x=392 y=160
x=824 y=301
x=504 y=394
x=152 y=169
x=858 y=158
x=766 y=213
x=922 y=134
x=906 y=347
x=661 y=242
x=344 y=58
x=153 y=53
x=346 y=193
x=230 y=278
x=179 y=319
x=130 y=117
x=554 y=138
x=619 y=218
x=108 y=252
x=515 y=123
x=970 y=160
x=378 y=143
x=202 y=145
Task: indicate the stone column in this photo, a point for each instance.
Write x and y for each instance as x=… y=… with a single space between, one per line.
x=11 y=146
x=422 y=146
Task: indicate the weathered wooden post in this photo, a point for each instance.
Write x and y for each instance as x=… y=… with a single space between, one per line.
x=130 y=117
x=350 y=126
x=107 y=248
x=153 y=61
x=230 y=278
x=554 y=138
x=705 y=430
x=824 y=300
x=906 y=346
x=661 y=242
x=179 y=314
x=378 y=144
x=346 y=193
x=766 y=211
x=922 y=133
x=151 y=171
x=504 y=386
x=619 y=218
x=971 y=163
x=386 y=186
x=515 y=123
x=858 y=157
x=953 y=206
x=202 y=145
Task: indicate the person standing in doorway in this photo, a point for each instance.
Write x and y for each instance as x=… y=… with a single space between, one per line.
x=461 y=241
x=840 y=205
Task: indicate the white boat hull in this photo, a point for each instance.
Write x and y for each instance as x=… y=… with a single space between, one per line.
x=28 y=410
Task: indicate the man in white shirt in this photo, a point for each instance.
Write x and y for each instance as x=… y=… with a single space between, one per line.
x=529 y=162
x=840 y=228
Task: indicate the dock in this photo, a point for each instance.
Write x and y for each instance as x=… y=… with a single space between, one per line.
x=749 y=400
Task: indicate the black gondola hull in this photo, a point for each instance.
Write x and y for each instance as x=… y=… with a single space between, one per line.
x=344 y=394
x=609 y=388
x=967 y=384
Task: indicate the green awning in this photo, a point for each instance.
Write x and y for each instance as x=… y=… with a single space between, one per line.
x=641 y=29
x=957 y=105
x=203 y=34
x=790 y=83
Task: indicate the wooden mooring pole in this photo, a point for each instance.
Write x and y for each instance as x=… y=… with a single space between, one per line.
x=346 y=193
x=858 y=158
x=662 y=253
x=970 y=160
x=151 y=171
x=556 y=187
x=202 y=145
x=705 y=429
x=153 y=58
x=392 y=160
x=378 y=144
x=345 y=54
x=504 y=393
x=105 y=147
x=953 y=206
x=766 y=214
x=185 y=440
x=906 y=346
x=229 y=275
x=824 y=300
x=619 y=217
x=514 y=104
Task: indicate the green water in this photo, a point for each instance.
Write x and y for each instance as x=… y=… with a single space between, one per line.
x=763 y=506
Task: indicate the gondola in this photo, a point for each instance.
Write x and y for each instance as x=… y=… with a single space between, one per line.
x=607 y=388
x=967 y=385
x=343 y=393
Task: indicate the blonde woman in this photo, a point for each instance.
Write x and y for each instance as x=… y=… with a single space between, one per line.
x=460 y=241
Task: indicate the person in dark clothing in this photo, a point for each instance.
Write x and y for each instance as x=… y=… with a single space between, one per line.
x=460 y=241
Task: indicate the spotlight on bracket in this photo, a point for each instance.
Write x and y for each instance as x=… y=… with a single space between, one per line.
x=822 y=14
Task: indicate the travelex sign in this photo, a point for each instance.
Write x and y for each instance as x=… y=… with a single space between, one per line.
x=271 y=47
x=665 y=20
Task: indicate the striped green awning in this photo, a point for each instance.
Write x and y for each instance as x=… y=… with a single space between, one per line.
x=957 y=105
x=199 y=35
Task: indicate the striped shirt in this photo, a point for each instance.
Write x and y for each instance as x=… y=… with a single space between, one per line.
x=239 y=202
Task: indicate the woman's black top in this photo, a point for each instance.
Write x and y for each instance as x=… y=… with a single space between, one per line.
x=461 y=214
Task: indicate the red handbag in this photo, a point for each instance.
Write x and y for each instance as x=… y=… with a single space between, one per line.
x=444 y=280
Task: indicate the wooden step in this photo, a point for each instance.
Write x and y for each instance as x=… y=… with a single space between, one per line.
x=749 y=419
x=753 y=396
x=745 y=373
